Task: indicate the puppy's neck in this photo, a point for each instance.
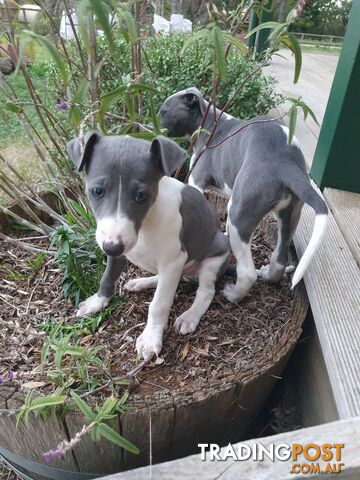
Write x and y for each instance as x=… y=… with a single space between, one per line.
x=214 y=116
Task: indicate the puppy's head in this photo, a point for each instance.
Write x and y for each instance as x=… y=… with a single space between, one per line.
x=182 y=112
x=122 y=178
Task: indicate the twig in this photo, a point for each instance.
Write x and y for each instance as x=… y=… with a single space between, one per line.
x=128 y=376
x=25 y=246
x=150 y=446
x=207 y=146
x=299 y=7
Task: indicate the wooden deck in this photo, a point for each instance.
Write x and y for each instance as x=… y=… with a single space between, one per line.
x=332 y=283
x=331 y=373
x=345 y=207
x=189 y=468
x=313 y=87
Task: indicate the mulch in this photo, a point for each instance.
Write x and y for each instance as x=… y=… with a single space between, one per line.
x=230 y=338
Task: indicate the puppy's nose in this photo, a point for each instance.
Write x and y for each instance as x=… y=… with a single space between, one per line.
x=113 y=249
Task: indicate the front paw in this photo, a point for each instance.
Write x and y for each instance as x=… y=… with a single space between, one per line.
x=187 y=322
x=149 y=343
x=92 y=305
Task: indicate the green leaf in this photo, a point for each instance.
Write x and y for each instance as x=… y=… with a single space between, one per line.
x=74 y=351
x=238 y=44
x=292 y=43
x=291 y=16
x=81 y=92
x=311 y=113
x=102 y=15
x=83 y=19
x=292 y=123
x=78 y=97
x=112 y=97
x=44 y=42
x=262 y=26
x=84 y=214
x=83 y=407
x=110 y=434
x=277 y=32
x=44 y=352
x=107 y=408
x=58 y=357
x=219 y=49
x=95 y=436
x=26 y=418
x=141 y=87
x=143 y=135
x=154 y=116
x=12 y=107
x=201 y=35
x=129 y=21
x=46 y=402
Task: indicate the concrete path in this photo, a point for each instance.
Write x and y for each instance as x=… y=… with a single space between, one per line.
x=314 y=86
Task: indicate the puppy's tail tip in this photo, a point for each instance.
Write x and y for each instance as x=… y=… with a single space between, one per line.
x=314 y=243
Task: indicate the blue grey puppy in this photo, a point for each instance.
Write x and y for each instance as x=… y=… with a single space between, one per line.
x=155 y=221
x=260 y=173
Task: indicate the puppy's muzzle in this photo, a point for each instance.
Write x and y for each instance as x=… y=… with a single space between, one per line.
x=113 y=249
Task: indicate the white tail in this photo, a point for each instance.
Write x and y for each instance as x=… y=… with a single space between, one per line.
x=315 y=240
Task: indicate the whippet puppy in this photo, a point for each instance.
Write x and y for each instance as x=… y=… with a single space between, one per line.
x=153 y=220
x=260 y=173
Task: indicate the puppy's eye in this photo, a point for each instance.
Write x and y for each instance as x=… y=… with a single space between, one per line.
x=98 y=192
x=141 y=196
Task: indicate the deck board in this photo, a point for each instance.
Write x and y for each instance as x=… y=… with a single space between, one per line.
x=188 y=468
x=345 y=207
x=332 y=282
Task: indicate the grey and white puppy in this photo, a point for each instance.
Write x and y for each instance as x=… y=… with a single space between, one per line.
x=260 y=173
x=155 y=221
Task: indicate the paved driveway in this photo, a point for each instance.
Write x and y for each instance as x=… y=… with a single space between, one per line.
x=314 y=86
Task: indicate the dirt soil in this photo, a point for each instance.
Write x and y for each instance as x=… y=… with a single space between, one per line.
x=230 y=337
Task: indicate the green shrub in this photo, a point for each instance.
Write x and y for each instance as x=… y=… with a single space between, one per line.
x=167 y=69
x=172 y=71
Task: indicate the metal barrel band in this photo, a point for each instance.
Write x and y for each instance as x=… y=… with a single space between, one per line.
x=18 y=463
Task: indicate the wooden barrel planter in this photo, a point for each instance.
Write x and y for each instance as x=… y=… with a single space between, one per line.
x=215 y=393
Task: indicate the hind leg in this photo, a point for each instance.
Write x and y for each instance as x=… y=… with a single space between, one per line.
x=287 y=220
x=242 y=221
x=245 y=269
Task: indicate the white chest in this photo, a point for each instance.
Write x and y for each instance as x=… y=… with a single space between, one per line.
x=158 y=241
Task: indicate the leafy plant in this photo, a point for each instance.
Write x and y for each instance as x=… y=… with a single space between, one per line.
x=37 y=406
x=77 y=371
x=104 y=413
x=79 y=260
x=108 y=83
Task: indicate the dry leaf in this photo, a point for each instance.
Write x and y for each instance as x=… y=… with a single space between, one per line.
x=33 y=384
x=185 y=351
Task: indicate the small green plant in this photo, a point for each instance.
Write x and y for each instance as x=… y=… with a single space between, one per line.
x=36 y=263
x=97 y=419
x=76 y=372
x=80 y=261
x=39 y=406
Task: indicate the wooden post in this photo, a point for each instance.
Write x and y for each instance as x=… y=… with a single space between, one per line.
x=261 y=42
x=254 y=22
x=336 y=160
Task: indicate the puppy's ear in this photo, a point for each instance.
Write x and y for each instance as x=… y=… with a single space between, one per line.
x=191 y=100
x=82 y=159
x=168 y=155
x=194 y=100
